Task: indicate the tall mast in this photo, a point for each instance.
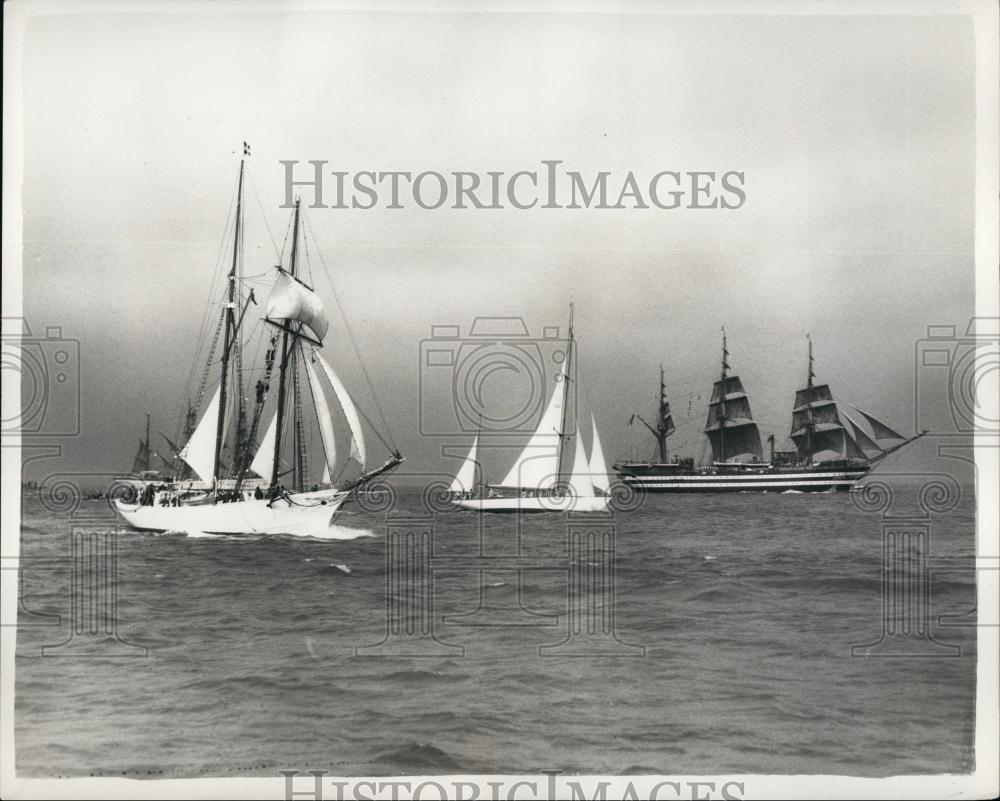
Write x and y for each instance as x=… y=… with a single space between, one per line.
x=565 y=403
x=810 y=423
x=722 y=398
x=661 y=426
x=298 y=438
x=286 y=352
x=230 y=321
x=148 y=454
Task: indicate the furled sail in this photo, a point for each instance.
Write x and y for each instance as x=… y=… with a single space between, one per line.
x=538 y=464
x=729 y=409
x=817 y=429
x=579 y=480
x=465 y=479
x=322 y=417
x=199 y=452
x=263 y=460
x=666 y=420
x=350 y=410
x=292 y=300
x=599 y=478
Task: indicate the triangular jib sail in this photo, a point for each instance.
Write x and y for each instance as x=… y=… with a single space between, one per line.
x=599 y=478
x=199 y=452
x=323 y=419
x=349 y=409
x=579 y=480
x=263 y=460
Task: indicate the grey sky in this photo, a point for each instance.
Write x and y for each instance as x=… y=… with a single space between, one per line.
x=855 y=134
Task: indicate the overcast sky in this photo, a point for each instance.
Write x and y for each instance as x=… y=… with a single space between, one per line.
x=855 y=136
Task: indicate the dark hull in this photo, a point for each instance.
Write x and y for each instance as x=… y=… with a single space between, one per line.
x=661 y=478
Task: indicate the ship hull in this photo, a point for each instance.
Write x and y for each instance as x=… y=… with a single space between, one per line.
x=520 y=505
x=309 y=513
x=765 y=480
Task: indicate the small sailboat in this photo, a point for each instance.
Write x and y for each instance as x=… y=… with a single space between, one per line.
x=533 y=483
x=236 y=484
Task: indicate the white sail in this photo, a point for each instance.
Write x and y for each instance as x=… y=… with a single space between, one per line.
x=537 y=466
x=199 y=451
x=322 y=417
x=579 y=480
x=465 y=480
x=291 y=300
x=326 y=475
x=599 y=478
x=263 y=460
x=350 y=410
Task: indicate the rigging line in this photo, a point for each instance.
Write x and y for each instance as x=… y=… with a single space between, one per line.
x=288 y=229
x=206 y=314
x=305 y=245
x=357 y=350
x=263 y=215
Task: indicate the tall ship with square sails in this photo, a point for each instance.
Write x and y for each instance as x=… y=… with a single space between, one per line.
x=835 y=447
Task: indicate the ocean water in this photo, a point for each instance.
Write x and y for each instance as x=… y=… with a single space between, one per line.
x=690 y=635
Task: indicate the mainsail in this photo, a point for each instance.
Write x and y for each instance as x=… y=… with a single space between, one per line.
x=538 y=465
x=199 y=452
x=599 y=478
x=465 y=480
x=290 y=299
x=730 y=427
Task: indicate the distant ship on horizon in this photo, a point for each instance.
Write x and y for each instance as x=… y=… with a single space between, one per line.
x=833 y=449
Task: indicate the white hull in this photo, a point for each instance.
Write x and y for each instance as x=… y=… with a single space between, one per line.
x=311 y=511
x=565 y=503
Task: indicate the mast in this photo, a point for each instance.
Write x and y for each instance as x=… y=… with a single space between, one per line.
x=148 y=454
x=810 y=420
x=286 y=351
x=230 y=323
x=661 y=425
x=298 y=430
x=565 y=403
x=722 y=398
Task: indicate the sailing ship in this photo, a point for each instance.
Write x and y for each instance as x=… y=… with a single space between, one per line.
x=235 y=484
x=835 y=446
x=533 y=483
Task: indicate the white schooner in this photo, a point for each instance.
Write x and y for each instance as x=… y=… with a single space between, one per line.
x=227 y=481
